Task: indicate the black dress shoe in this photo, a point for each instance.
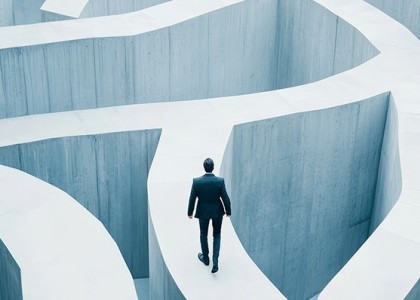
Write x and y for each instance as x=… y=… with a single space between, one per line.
x=204 y=260
x=215 y=269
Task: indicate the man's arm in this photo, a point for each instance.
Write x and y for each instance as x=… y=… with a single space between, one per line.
x=225 y=199
x=193 y=197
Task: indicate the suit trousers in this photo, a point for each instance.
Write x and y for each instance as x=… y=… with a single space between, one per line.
x=204 y=229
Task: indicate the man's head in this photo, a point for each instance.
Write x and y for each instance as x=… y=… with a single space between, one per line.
x=208 y=165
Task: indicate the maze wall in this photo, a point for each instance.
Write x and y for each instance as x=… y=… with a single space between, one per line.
x=309 y=108
x=107 y=174
x=246 y=48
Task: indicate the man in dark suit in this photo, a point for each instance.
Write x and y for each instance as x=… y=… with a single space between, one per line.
x=213 y=203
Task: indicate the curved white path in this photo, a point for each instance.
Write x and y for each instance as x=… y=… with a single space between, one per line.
x=62 y=250
x=391 y=254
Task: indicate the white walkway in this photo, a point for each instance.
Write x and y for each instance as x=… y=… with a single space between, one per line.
x=386 y=267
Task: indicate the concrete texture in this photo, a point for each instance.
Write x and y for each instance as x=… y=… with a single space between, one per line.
x=414 y=293
x=142 y=288
x=95 y=8
x=6 y=16
x=107 y=174
x=407 y=12
x=161 y=283
x=21 y=12
x=310 y=189
x=10 y=280
x=388 y=186
x=61 y=249
x=192 y=130
x=205 y=50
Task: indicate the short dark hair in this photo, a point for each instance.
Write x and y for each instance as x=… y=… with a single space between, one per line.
x=208 y=165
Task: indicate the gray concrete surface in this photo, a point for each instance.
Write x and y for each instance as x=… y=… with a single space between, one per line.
x=142 y=288
x=107 y=174
x=95 y=8
x=414 y=293
x=21 y=12
x=245 y=48
x=389 y=184
x=406 y=12
x=10 y=279
x=303 y=204
x=161 y=283
x=391 y=254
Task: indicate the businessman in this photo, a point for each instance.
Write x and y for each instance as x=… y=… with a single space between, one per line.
x=213 y=203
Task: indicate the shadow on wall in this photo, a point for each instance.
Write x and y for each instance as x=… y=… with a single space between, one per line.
x=10 y=279
x=249 y=47
x=107 y=174
x=303 y=205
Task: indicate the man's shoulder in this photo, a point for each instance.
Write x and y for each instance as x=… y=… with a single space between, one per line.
x=206 y=178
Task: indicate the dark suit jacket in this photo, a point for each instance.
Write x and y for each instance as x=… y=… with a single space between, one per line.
x=209 y=189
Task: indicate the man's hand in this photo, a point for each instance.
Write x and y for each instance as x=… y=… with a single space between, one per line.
x=227 y=216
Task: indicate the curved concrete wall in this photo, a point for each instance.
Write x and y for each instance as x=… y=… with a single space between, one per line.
x=407 y=12
x=314 y=43
x=20 y=12
x=10 y=279
x=367 y=275
x=107 y=174
x=414 y=293
x=95 y=8
x=245 y=48
x=310 y=189
x=161 y=283
x=389 y=184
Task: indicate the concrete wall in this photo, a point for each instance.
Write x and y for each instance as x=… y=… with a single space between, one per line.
x=10 y=279
x=6 y=16
x=107 y=174
x=388 y=187
x=314 y=43
x=414 y=293
x=407 y=12
x=19 y=12
x=245 y=48
x=302 y=206
x=96 y=8
x=161 y=283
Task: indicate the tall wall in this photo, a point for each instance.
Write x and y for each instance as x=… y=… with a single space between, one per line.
x=6 y=15
x=406 y=12
x=414 y=293
x=389 y=184
x=314 y=43
x=95 y=8
x=302 y=206
x=20 y=12
x=161 y=283
x=10 y=279
x=249 y=47
x=107 y=174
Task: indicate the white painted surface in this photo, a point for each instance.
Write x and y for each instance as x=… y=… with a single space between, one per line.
x=66 y=8
x=387 y=264
x=62 y=251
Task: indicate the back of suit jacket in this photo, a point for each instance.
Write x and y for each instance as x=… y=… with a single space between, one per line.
x=213 y=200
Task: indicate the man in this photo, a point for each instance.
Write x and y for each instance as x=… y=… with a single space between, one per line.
x=209 y=189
